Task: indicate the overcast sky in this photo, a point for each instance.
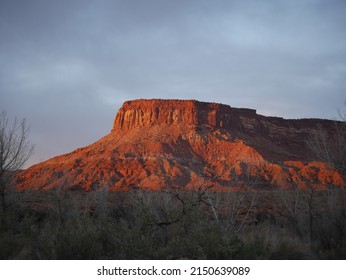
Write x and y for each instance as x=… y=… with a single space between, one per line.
x=67 y=66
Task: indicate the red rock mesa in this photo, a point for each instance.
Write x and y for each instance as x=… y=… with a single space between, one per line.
x=157 y=144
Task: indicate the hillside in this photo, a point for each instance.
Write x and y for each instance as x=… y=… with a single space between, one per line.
x=157 y=144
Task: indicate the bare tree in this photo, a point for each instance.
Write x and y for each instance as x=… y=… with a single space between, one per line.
x=329 y=147
x=15 y=150
x=237 y=205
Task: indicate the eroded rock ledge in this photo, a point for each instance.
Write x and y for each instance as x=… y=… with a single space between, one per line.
x=149 y=112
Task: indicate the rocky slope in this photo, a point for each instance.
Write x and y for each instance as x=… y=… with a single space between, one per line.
x=158 y=144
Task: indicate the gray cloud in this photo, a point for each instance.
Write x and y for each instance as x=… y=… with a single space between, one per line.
x=67 y=66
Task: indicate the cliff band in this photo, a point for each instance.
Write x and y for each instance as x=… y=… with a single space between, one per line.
x=157 y=144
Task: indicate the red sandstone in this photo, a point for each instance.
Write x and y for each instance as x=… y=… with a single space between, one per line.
x=158 y=144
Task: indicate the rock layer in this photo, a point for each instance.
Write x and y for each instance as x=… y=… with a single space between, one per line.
x=158 y=144
x=177 y=112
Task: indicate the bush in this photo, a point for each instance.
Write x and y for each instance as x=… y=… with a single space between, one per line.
x=154 y=226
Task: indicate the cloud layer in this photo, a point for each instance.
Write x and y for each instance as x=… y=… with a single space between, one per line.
x=67 y=66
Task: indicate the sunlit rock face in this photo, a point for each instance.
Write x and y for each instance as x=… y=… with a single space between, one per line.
x=178 y=112
x=157 y=144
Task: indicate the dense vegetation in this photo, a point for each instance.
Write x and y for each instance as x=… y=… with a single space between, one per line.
x=172 y=224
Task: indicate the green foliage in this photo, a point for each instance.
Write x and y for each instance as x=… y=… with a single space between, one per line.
x=289 y=250
x=256 y=248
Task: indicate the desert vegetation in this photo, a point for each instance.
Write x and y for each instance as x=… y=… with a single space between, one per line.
x=176 y=224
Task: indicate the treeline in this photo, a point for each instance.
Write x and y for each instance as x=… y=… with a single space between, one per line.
x=176 y=224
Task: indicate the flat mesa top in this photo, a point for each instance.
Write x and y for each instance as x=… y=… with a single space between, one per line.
x=176 y=103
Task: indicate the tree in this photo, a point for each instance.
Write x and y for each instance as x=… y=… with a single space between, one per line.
x=329 y=147
x=15 y=150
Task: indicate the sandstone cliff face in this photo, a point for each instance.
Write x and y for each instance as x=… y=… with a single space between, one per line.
x=157 y=144
x=178 y=112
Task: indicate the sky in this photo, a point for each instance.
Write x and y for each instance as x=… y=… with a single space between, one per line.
x=67 y=66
